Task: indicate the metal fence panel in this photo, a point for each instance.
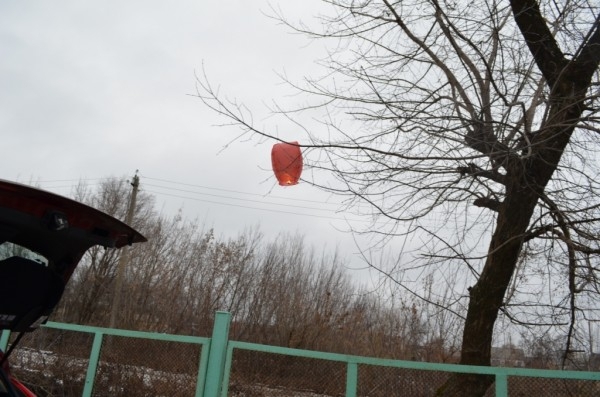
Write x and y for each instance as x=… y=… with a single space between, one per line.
x=70 y=360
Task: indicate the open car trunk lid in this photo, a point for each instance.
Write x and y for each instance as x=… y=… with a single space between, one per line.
x=59 y=229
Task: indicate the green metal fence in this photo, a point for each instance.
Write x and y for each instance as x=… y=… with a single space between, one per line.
x=223 y=367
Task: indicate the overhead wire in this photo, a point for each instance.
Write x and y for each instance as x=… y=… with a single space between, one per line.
x=235 y=198
x=233 y=191
x=229 y=197
x=247 y=206
x=199 y=196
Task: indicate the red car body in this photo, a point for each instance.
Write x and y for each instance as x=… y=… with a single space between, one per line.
x=11 y=386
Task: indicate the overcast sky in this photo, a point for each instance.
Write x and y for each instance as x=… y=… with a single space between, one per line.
x=98 y=89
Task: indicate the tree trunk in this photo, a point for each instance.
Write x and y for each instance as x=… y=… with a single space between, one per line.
x=526 y=181
x=486 y=296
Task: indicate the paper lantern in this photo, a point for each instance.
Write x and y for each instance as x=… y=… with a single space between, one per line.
x=286 y=159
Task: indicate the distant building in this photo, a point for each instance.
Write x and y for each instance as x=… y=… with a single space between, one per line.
x=594 y=362
x=508 y=356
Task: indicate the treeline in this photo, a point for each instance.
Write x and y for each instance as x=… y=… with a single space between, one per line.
x=279 y=291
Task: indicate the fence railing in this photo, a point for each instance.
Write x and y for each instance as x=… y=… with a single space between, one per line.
x=226 y=367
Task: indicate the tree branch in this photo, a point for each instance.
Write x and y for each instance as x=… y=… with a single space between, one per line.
x=540 y=40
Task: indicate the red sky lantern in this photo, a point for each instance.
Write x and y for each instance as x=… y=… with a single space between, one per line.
x=287 y=163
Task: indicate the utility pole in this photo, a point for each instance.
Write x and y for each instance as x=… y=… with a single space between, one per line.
x=124 y=258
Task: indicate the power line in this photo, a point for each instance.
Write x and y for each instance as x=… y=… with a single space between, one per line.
x=270 y=203
x=45 y=183
x=64 y=186
x=252 y=208
x=239 y=199
x=222 y=203
x=235 y=191
x=69 y=180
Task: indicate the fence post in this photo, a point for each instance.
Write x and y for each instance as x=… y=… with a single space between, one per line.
x=92 y=365
x=351 y=379
x=4 y=339
x=501 y=385
x=216 y=354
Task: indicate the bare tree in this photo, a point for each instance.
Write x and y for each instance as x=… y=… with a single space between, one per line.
x=474 y=126
x=86 y=299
